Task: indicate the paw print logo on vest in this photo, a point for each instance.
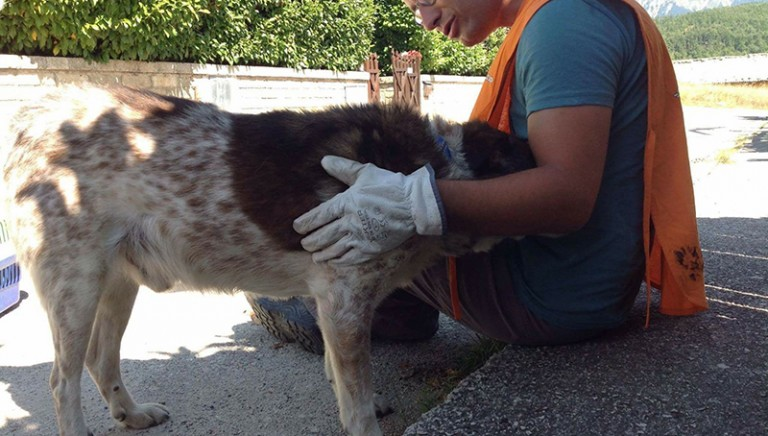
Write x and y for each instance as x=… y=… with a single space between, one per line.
x=690 y=259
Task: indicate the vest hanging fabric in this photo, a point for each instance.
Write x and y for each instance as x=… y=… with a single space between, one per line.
x=673 y=259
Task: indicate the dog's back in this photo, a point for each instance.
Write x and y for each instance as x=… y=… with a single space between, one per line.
x=141 y=183
x=95 y=176
x=178 y=191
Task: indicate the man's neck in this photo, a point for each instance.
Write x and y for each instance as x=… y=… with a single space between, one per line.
x=510 y=9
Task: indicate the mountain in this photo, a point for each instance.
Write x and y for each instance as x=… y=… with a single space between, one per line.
x=662 y=8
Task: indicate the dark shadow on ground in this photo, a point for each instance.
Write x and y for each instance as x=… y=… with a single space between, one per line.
x=23 y=295
x=754 y=118
x=207 y=395
x=758 y=144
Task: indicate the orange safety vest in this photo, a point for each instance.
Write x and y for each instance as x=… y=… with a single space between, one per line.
x=673 y=259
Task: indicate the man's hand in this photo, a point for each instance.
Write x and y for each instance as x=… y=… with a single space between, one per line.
x=378 y=212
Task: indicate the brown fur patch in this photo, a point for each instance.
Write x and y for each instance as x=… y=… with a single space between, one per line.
x=269 y=149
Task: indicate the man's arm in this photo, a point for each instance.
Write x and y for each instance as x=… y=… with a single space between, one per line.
x=556 y=197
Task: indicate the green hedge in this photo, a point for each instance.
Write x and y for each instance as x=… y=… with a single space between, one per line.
x=336 y=35
x=293 y=33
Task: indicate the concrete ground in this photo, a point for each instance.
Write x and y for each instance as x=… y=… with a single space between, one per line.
x=221 y=375
x=217 y=372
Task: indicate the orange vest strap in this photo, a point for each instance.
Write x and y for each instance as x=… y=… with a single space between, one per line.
x=674 y=263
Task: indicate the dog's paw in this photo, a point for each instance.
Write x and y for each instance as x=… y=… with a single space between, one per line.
x=382 y=406
x=144 y=415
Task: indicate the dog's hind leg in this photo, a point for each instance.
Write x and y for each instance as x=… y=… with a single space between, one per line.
x=103 y=358
x=344 y=315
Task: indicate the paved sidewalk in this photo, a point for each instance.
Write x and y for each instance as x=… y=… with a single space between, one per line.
x=218 y=373
x=700 y=375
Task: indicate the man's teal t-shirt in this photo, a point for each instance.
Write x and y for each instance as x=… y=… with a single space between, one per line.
x=571 y=53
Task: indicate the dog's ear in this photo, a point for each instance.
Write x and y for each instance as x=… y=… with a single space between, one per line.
x=490 y=152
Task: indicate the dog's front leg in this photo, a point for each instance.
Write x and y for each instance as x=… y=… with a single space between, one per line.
x=344 y=315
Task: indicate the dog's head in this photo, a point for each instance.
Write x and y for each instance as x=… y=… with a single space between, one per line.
x=476 y=150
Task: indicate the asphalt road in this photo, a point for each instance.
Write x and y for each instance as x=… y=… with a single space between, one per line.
x=221 y=375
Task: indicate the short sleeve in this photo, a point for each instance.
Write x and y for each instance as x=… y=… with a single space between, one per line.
x=569 y=56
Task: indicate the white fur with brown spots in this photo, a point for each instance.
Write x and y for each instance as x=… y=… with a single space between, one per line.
x=110 y=189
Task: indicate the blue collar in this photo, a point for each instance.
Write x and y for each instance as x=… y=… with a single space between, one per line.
x=444 y=147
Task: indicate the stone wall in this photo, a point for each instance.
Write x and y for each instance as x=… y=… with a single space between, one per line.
x=242 y=89
x=259 y=89
x=451 y=97
x=239 y=89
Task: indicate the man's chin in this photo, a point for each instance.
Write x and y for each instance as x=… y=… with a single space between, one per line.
x=474 y=37
x=466 y=42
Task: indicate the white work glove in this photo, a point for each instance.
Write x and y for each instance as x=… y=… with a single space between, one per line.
x=379 y=211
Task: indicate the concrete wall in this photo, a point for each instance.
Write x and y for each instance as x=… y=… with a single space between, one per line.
x=451 y=97
x=241 y=89
x=238 y=89
x=259 y=89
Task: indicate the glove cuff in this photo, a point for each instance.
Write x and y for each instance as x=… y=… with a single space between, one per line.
x=426 y=206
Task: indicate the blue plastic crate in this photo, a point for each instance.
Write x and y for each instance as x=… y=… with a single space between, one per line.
x=10 y=273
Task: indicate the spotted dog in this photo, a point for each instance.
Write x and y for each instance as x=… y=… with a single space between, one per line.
x=108 y=189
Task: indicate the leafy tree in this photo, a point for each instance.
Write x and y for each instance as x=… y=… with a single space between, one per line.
x=729 y=31
x=314 y=34
x=293 y=33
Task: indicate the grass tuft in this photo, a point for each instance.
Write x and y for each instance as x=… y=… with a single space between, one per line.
x=746 y=95
x=441 y=384
x=725 y=156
